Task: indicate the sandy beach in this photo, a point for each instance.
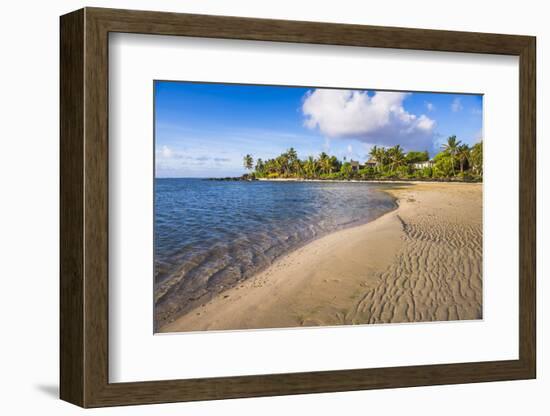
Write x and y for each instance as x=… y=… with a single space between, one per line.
x=420 y=262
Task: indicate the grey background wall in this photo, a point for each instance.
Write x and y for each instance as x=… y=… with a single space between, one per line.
x=29 y=205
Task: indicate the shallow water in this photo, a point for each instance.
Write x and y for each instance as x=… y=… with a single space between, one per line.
x=209 y=235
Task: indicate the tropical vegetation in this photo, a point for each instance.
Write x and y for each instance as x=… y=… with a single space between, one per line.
x=455 y=162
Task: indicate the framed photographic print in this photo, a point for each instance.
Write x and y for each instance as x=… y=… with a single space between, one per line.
x=255 y=207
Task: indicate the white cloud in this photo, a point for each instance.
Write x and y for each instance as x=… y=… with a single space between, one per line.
x=424 y=123
x=350 y=148
x=165 y=152
x=376 y=119
x=196 y=161
x=430 y=106
x=456 y=105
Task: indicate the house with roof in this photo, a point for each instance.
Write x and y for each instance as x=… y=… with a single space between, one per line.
x=371 y=163
x=355 y=165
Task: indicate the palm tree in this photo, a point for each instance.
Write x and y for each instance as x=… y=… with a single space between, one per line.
x=279 y=164
x=327 y=165
x=260 y=166
x=463 y=154
x=268 y=166
x=397 y=157
x=292 y=155
x=381 y=156
x=346 y=170
x=335 y=164
x=310 y=167
x=451 y=148
x=476 y=156
x=324 y=163
x=291 y=163
x=248 y=162
x=375 y=155
x=296 y=167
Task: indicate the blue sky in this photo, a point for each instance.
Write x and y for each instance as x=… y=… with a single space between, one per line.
x=204 y=130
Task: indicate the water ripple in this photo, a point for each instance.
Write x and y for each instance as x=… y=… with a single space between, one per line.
x=209 y=235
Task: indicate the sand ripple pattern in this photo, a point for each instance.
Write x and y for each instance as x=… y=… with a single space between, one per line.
x=437 y=275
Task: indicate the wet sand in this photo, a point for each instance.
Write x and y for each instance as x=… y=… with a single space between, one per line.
x=420 y=262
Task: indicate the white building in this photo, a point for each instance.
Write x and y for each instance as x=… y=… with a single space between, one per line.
x=422 y=165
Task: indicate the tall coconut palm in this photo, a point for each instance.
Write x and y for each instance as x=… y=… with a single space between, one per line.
x=463 y=154
x=281 y=164
x=284 y=162
x=296 y=167
x=476 y=156
x=335 y=164
x=374 y=153
x=248 y=162
x=396 y=156
x=346 y=170
x=292 y=155
x=260 y=166
x=451 y=148
x=310 y=167
x=325 y=165
x=269 y=166
x=383 y=156
x=293 y=164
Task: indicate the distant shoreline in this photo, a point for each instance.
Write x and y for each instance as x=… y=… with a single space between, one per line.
x=399 y=181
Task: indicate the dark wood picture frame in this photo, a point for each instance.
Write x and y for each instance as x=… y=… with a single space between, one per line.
x=84 y=207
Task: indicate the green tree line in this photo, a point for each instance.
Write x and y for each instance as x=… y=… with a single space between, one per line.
x=456 y=161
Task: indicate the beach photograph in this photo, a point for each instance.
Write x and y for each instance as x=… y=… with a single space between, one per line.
x=287 y=207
